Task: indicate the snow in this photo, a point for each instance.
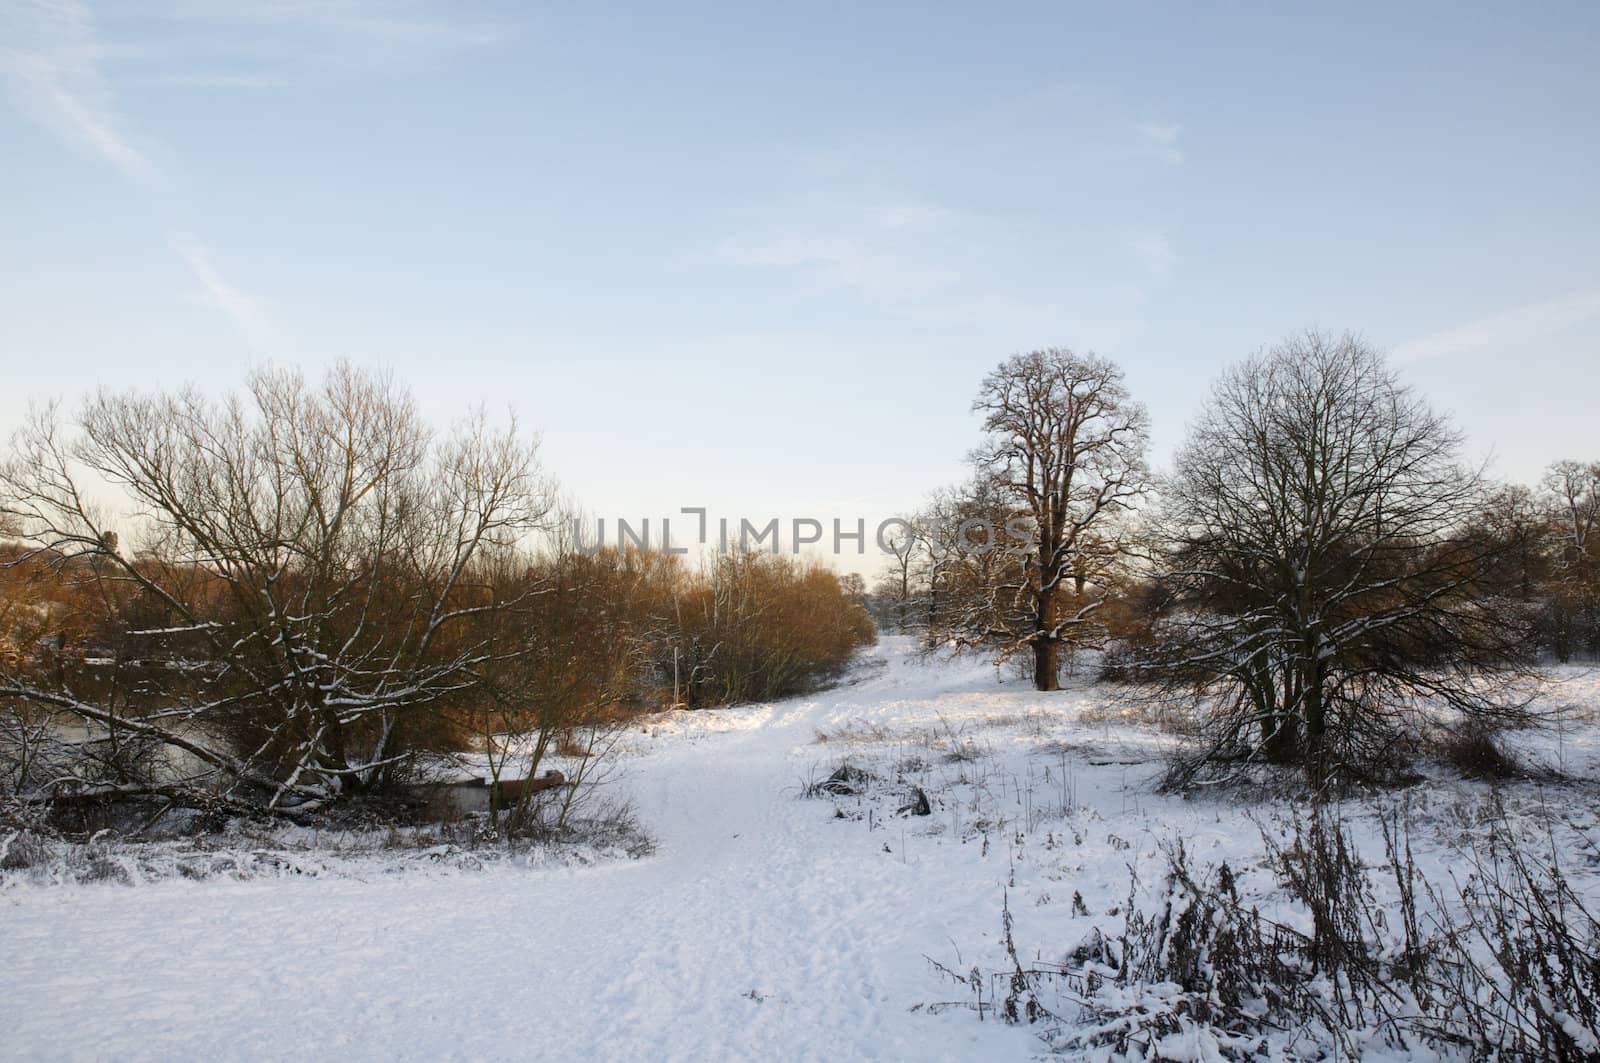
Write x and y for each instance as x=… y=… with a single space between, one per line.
x=764 y=926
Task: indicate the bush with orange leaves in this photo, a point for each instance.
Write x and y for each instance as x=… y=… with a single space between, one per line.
x=758 y=626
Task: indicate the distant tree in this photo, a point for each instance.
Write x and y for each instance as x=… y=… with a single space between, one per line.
x=759 y=627
x=1572 y=489
x=895 y=592
x=1515 y=516
x=1575 y=489
x=966 y=556
x=1323 y=565
x=1063 y=459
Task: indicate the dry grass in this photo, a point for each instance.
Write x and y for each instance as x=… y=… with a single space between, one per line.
x=855 y=732
x=1148 y=713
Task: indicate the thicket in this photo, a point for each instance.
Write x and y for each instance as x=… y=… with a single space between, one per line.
x=276 y=602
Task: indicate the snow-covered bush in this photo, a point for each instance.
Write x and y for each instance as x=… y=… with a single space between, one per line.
x=33 y=855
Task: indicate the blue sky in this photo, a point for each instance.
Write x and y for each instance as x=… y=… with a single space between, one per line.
x=757 y=257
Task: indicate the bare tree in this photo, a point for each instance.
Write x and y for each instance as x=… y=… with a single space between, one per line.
x=305 y=572
x=1572 y=491
x=1515 y=515
x=1065 y=456
x=1575 y=488
x=1322 y=563
x=895 y=594
x=965 y=556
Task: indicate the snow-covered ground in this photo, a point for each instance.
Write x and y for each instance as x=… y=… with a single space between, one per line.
x=766 y=925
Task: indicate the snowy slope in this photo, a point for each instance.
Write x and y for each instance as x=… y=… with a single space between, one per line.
x=765 y=926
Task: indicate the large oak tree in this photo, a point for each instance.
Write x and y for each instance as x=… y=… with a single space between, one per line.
x=1063 y=458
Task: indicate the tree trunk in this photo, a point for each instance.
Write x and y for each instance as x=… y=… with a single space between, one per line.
x=1279 y=739
x=1044 y=665
x=1315 y=724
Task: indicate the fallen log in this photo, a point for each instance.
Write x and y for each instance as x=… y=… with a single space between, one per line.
x=510 y=791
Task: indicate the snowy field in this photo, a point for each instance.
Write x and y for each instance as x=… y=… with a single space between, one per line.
x=767 y=924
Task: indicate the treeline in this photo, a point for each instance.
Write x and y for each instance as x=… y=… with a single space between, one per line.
x=315 y=587
x=1319 y=562
x=1542 y=539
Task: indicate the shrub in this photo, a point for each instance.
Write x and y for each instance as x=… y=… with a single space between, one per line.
x=1503 y=964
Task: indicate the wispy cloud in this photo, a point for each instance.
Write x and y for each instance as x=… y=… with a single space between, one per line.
x=909 y=216
x=940 y=269
x=1161 y=141
x=1013 y=217
x=51 y=63
x=449 y=25
x=874 y=259
x=249 y=82
x=1508 y=329
x=295 y=41
x=52 y=67
x=244 y=311
x=1155 y=250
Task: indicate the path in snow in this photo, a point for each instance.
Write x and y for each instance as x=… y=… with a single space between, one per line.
x=761 y=929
